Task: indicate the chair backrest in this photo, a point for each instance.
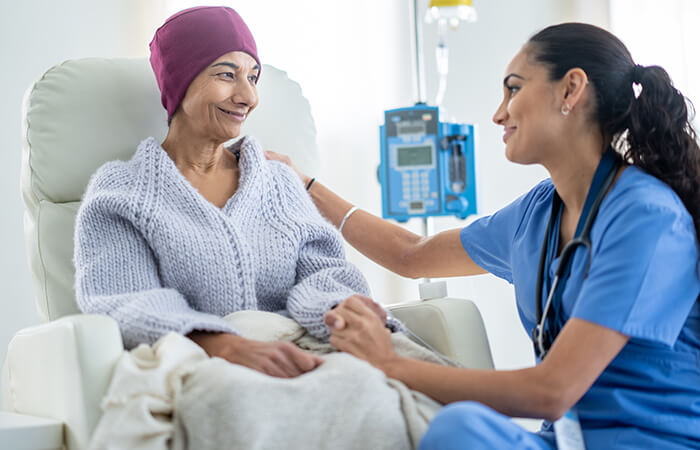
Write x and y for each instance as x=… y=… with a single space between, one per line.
x=83 y=113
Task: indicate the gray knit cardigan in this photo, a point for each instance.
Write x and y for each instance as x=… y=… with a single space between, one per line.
x=156 y=256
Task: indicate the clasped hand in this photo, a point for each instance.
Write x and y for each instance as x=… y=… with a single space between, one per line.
x=358 y=326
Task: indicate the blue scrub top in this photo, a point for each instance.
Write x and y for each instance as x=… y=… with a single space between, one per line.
x=643 y=282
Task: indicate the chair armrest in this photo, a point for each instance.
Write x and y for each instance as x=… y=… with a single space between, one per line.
x=61 y=370
x=452 y=326
x=29 y=432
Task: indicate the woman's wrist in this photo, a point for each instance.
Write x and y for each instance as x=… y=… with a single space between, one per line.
x=310 y=183
x=391 y=366
x=345 y=218
x=217 y=344
x=306 y=180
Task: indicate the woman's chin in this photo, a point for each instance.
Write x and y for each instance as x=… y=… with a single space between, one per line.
x=230 y=132
x=511 y=154
x=518 y=156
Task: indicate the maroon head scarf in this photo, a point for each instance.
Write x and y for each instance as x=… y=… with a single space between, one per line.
x=191 y=40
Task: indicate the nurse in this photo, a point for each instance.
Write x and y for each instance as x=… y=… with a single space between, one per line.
x=619 y=342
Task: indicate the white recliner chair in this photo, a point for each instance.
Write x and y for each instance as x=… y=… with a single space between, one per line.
x=79 y=115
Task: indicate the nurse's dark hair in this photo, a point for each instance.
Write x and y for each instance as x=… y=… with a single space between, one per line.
x=651 y=131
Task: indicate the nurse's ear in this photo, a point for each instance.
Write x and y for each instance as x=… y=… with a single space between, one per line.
x=574 y=89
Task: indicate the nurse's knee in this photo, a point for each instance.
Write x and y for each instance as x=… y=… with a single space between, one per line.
x=457 y=425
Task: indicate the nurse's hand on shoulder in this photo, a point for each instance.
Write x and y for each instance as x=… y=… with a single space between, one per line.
x=278 y=359
x=274 y=156
x=359 y=329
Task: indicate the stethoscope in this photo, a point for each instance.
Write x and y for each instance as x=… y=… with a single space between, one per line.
x=543 y=336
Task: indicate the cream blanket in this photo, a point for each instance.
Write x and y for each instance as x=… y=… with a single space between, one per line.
x=171 y=395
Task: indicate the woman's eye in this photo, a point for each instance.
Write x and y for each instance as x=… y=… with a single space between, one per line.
x=512 y=89
x=226 y=74
x=253 y=78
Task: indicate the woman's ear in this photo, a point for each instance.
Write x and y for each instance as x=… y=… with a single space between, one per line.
x=574 y=84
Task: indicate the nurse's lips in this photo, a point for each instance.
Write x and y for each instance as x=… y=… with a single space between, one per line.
x=507 y=131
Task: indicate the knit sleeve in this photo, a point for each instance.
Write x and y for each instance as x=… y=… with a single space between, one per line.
x=117 y=275
x=324 y=277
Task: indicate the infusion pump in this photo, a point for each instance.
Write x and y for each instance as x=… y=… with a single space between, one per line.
x=427 y=166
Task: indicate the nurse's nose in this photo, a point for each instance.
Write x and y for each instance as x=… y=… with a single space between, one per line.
x=501 y=114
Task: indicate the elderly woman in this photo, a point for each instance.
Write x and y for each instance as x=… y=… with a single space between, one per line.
x=188 y=231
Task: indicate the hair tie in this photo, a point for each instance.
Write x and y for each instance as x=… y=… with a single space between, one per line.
x=637 y=72
x=308 y=186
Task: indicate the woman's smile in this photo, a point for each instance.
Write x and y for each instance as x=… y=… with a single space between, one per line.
x=507 y=132
x=238 y=116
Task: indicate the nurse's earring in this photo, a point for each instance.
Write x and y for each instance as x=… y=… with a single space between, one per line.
x=565 y=109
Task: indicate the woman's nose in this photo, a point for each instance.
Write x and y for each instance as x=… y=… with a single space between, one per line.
x=246 y=93
x=499 y=117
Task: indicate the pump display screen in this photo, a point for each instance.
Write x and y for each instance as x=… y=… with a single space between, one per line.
x=410 y=128
x=414 y=156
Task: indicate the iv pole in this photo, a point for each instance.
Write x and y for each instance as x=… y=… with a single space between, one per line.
x=417 y=51
x=419 y=88
x=419 y=79
x=419 y=94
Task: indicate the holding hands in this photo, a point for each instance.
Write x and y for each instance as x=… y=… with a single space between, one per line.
x=358 y=327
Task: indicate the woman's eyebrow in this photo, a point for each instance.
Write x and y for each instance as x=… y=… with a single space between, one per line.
x=509 y=76
x=229 y=64
x=232 y=65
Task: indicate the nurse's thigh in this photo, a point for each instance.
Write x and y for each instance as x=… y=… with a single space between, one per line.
x=471 y=425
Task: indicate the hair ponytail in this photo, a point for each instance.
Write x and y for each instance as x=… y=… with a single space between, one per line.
x=660 y=139
x=647 y=117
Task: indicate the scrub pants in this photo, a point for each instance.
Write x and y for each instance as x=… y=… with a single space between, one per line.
x=471 y=425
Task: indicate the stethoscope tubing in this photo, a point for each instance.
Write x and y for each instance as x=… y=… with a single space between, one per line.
x=567 y=253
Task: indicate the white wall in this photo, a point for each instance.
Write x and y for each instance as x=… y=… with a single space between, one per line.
x=668 y=37
x=353 y=61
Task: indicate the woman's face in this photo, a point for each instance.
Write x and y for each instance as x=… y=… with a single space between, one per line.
x=530 y=111
x=219 y=99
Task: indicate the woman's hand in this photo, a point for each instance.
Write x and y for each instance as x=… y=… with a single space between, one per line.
x=278 y=359
x=357 y=328
x=274 y=156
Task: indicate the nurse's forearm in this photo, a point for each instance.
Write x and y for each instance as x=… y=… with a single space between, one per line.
x=515 y=393
x=578 y=356
x=394 y=247
x=385 y=243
